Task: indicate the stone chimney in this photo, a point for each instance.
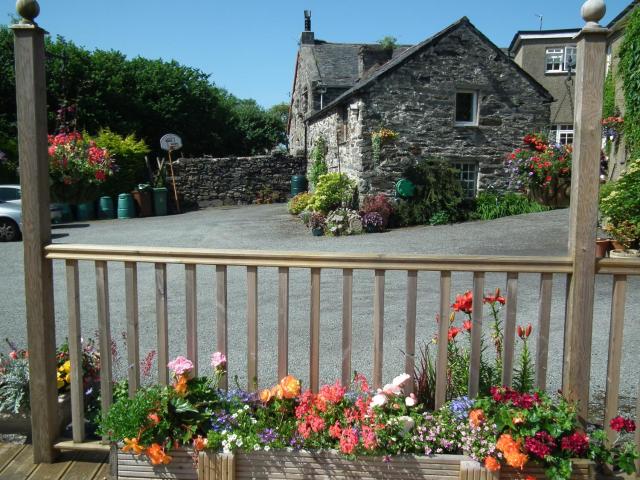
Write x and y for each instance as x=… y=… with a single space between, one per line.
x=307 y=37
x=370 y=57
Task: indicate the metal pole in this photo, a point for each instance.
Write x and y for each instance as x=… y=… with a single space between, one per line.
x=173 y=181
x=31 y=101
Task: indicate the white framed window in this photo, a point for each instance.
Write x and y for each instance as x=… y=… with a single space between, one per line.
x=560 y=59
x=562 y=134
x=468 y=178
x=466 y=108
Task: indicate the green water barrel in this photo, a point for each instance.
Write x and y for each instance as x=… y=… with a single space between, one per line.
x=105 y=208
x=67 y=214
x=85 y=211
x=298 y=184
x=125 y=206
x=160 y=201
x=405 y=188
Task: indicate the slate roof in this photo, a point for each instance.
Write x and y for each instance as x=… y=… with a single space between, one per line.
x=400 y=58
x=338 y=62
x=623 y=13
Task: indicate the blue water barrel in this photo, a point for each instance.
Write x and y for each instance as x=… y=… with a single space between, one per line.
x=125 y=206
x=160 y=201
x=105 y=208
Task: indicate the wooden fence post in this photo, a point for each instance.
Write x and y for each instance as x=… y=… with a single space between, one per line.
x=36 y=228
x=592 y=42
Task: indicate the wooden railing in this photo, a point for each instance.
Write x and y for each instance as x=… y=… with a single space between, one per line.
x=478 y=266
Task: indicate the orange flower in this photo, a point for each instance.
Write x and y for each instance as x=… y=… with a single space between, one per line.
x=290 y=387
x=154 y=417
x=157 y=455
x=476 y=418
x=506 y=443
x=131 y=445
x=199 y=443
x=516 y=459
x=492 y=464
x=265 y=395
x=181 y=385
x=518 y=420
x=277 y=392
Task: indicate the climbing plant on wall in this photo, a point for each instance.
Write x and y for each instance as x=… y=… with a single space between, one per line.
x=629 y=68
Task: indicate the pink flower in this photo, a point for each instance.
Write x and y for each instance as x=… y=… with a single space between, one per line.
x=391 y=389
x=13 y=355
x=400 y=380
x=411 y=400
x=180 y=365
x=218 y=361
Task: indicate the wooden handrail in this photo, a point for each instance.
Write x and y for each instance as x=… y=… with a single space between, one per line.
x=454 y=263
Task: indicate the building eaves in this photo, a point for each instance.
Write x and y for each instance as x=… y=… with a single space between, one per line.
x=559 y=33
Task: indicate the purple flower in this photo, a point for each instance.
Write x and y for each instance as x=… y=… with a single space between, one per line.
x=268 y=435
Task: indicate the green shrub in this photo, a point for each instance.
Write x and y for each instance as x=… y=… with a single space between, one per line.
x=628 y=69
x=494 y=205
x=129 y=155
x=333 y=190
x=440 y=218
x=620 y=205
x=438 y=191
x=319 y=165
x=299 y=203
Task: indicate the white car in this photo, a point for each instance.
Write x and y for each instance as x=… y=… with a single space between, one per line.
x=12 y=194
x=10 y=222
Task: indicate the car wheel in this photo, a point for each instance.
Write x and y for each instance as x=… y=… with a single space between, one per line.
x=9 y=231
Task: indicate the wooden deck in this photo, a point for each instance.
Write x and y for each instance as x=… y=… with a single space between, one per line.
x=16 y=463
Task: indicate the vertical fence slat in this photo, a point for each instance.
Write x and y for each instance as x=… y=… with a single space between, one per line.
x=283 y=322
x=221 y=316
x=509 y=329
x=191 y=300
x=410 y=329
x=104 y=329
x=378 y=327
x=638 y=423
x=75 y=350
x=347 y=316
x=133 y=346
x=314 y=332
x=252 y=328
x=544 y=325
x=443 y=338
x=476 y=334
x=616 y=331
x=162 y=323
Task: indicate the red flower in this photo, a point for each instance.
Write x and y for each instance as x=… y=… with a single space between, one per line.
x=494 y=298
x=348 y=441
x=577 y=443
x=467 y=325
x=453 y=333
x=524 y=332
x=335 y=431
x=464 y=302
x=620 y=424
x=629 y=425
x=540 y=445
x=101 y=176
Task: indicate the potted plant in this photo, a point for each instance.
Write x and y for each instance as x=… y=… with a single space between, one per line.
x=543 y=169
x=620 y=207
x=15 y=406
x=76 y=167
x=142 y=198
x=317 y=224
x=372 y=222
x=159 y=189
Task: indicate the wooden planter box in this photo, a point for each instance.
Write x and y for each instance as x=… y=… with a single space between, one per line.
x=329 y=465
x=127 y=466
x=21 y=423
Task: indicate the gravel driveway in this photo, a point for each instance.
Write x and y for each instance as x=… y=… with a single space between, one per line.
x=269 y=227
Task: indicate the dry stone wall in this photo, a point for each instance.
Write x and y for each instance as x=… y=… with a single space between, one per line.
x=208 y=181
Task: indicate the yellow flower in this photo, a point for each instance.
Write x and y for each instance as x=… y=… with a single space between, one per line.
x=60 y=383
x=67 y=366
x=67 y=378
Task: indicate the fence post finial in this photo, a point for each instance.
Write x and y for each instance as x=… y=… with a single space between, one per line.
x=593 y=11
x=28 y=10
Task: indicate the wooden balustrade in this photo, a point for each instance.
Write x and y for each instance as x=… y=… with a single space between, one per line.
x=512 y=267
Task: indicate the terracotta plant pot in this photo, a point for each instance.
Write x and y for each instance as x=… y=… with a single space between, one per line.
x=603 y=245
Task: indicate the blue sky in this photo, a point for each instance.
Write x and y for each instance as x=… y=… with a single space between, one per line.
x=249 y=46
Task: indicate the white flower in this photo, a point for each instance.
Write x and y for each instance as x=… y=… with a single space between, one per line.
x=411 y=400
x=267 y=448
x=391 y=389
x=378 y=400
x=407 y=424
x=246 y=407
x=401 y=379
x=256 y=447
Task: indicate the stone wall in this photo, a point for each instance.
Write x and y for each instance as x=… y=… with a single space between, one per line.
x=417 y=100
x=235 y=180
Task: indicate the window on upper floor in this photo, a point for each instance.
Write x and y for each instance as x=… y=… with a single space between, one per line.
x=466 y=108
x=343 y=125
x=560 y=59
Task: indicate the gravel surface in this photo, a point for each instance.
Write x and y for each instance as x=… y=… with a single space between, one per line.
x=269 y=227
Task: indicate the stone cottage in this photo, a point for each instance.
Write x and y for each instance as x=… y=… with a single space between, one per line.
x=454 y=96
